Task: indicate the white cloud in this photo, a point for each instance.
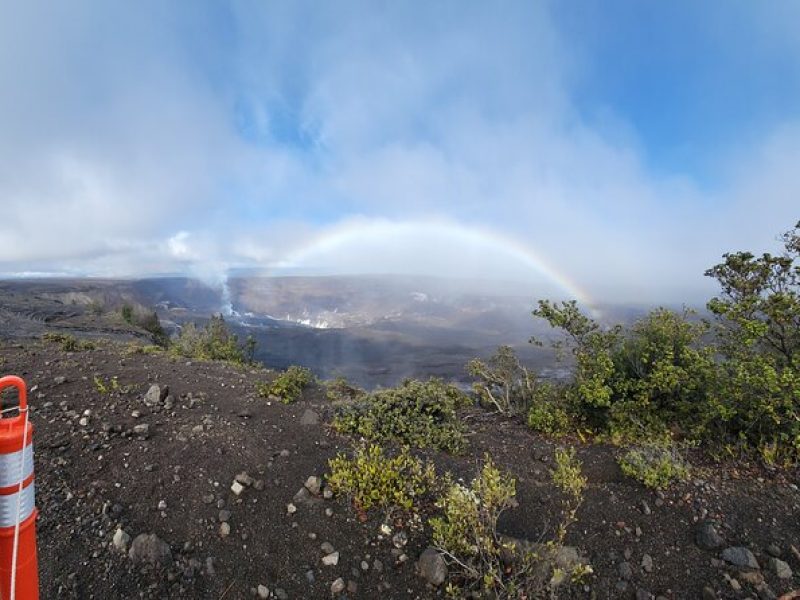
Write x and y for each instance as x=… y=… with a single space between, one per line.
x=139 y=139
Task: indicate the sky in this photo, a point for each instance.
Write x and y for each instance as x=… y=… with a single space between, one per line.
x=614 y=149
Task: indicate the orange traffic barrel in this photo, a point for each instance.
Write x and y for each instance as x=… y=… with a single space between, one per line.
x=19 y=572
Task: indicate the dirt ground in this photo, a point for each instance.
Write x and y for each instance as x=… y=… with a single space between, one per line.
x=95 y=473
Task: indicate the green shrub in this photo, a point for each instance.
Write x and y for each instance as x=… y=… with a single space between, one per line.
x=547 y=412
x=657 y=466
x=373 y=479
x=127 y=313
x=734 y=386
x=417 y=413
x=69 y=343
x=213 y=342
x=483 y=561
x=568 y=475
x=288 y=386
x=503 y=383
x=339 y=389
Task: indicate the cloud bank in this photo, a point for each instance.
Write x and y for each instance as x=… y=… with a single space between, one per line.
x=148 y=138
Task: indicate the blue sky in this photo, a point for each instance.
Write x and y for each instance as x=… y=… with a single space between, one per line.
x=623 y=145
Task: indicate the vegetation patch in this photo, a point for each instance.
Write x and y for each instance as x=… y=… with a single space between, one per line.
x=339 y=389
x=732 y=384
x=213 y=342
x=287 y=386
x=656 y=466
x=421 y=414
x=373 y=479
x=483 y=561
x=147 y=320
x=69 y=343
x=502 y=383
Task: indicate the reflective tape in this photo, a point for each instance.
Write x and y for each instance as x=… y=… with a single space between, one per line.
x=10 y=472
x=8 y=506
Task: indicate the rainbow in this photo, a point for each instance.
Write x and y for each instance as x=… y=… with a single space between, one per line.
x=446 y=234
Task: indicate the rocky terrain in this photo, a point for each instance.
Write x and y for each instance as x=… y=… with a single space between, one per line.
x=166 y=478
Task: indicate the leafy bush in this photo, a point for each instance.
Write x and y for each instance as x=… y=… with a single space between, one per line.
x=127 y=313
x=69 y=343
x=417 y=413
x=657 y=465
x=373 y=479
x=547 y=412
x=480 y=559
x=213 y=342
x=568 y=475
x=288 y=386
x=503 y=383
x=341 y=390
x=736 y=385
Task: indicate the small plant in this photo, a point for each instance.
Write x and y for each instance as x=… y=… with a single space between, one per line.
x=69 y=343
x=127 y=313
x=339 y=389
x=568 y=475
x=288 y=386
x=484 y=561
x=107 y=387
x=373 y=479
x=547 y=412
x=656 y=465
x=503 y=383
x=421 y=414
x=213 y=342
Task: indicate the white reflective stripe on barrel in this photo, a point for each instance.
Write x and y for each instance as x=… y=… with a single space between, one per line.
x=8 y=506
x=10 y=473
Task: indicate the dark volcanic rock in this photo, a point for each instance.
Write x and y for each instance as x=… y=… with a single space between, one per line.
x=149 y=548
x=740 y=556
x=707 y=536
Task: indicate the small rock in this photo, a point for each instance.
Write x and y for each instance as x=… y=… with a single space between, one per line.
x=155 y=394
x=753 y=578
x=141 y=429
x=646 y=508
x=224 y=529
x=774 y=550
x=162 y=505
x=314 y=484
x=740 y=556
x=224 y=516
x=244 y=479
x=709 y=593
x=780 y=568
x=707 y=537
x=121 y=540
x=352 y=587
x=281 y=594
x=149 y=548
x=432 y=567
x=237 y=488
x=291 y=508
x=331 y=560
x=400 y=539
x=59 y=380
x=327 y=547
x=309 y=417
x=263 y=591
x=338 y=586
x=625 y=570
x=647 y=563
